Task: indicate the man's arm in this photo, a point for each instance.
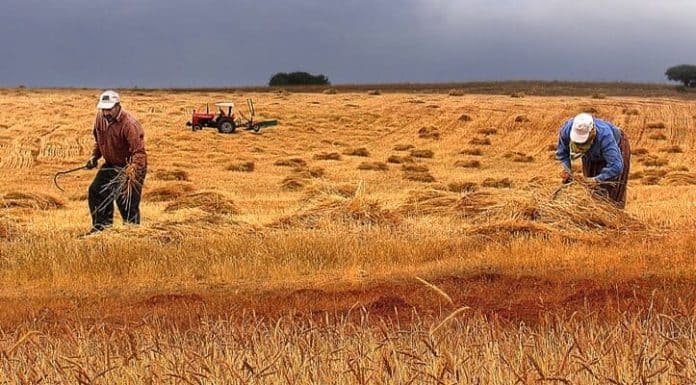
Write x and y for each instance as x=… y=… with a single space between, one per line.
x=135 y=136
x=96 y=152
x=612 y=156
x=563 y=147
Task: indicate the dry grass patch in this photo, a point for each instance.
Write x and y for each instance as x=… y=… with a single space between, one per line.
x=654 y=125
x=172 y=175
x=471 y=151
x=211 y=202
x=360 y=151
x=639 y=151
x=38 y=201
x=245 y=166
x=291 y=162
x=397 y=159
x=480 y=142
x=8 y=229
x=374 y=166
x=497 y=183
x=589 y=109
x=403 y=147
x=630 y=111
x=422 y=153
x=168 y=193
x=327 y=156
x=429 y=133
x=468 y=163
x=599 y=96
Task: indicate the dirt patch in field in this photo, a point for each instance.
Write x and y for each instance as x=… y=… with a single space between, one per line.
x=513 y=298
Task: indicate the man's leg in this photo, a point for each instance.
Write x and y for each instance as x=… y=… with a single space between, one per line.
x=101 y=205
x=129 y=204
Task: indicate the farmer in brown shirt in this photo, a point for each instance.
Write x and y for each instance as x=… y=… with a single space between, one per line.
x=119 y=139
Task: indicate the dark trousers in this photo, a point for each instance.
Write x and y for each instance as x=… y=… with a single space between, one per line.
x=102 y=196
x=614 y=191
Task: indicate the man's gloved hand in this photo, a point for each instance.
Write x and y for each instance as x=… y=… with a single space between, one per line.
x=566 y=177
x=590 y=182
x=91 y=163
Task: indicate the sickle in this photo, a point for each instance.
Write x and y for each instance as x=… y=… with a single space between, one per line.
x=60 y=173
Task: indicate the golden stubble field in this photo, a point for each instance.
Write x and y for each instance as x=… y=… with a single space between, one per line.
x=394 y=238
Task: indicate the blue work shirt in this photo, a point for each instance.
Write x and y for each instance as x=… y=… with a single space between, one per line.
x=605 y=147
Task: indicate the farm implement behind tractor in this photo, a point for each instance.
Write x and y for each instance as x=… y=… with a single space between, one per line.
x=226 y=120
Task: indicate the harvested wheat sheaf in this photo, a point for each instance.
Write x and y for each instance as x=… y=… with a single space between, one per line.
x=422 y=153
x=327 y=209
x=247 y=166
x=570 y=212
x=39 y=201
x=168 y=192
x=400 y=159
x=361 y=151
x=467 y=164
x=374 y=166
x=170 y=175
x=327 y=156
x=209 y=201
x=403 y=147
x=680 y=179
x=291 y=162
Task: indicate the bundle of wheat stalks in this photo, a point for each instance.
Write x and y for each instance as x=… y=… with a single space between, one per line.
x=436 y=202
x=37 y=201
x=122 y=186
x=208 y=201
x=572 y=209
x=357 y=209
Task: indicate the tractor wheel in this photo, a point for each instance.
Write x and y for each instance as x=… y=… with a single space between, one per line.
x=226 y=127
x=195 y=127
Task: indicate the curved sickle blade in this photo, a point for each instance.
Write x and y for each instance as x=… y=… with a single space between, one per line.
x=60 y=173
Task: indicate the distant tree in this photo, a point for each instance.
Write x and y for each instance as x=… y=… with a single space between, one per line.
x=684 y=73
x=297 y=78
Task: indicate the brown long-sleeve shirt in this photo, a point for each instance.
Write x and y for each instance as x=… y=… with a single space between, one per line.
x=120 y=142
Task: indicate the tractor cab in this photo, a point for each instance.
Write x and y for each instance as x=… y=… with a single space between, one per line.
x=225 y=109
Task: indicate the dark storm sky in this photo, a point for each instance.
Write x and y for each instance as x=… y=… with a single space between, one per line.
x=175 y=43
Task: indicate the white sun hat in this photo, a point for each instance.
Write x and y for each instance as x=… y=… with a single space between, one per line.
x=581 y=128
x=108 y=100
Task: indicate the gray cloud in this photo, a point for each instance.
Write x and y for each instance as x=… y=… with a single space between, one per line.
x=149 y=43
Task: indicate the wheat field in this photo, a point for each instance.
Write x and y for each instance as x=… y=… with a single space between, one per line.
x=369 y=238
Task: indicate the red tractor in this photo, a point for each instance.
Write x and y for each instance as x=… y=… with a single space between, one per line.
x=225 y=119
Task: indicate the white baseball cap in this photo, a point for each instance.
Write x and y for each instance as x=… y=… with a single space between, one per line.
x=581 y=128
x=108 y=100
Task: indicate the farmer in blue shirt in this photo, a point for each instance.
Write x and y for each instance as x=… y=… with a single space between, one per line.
x=605 y=153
